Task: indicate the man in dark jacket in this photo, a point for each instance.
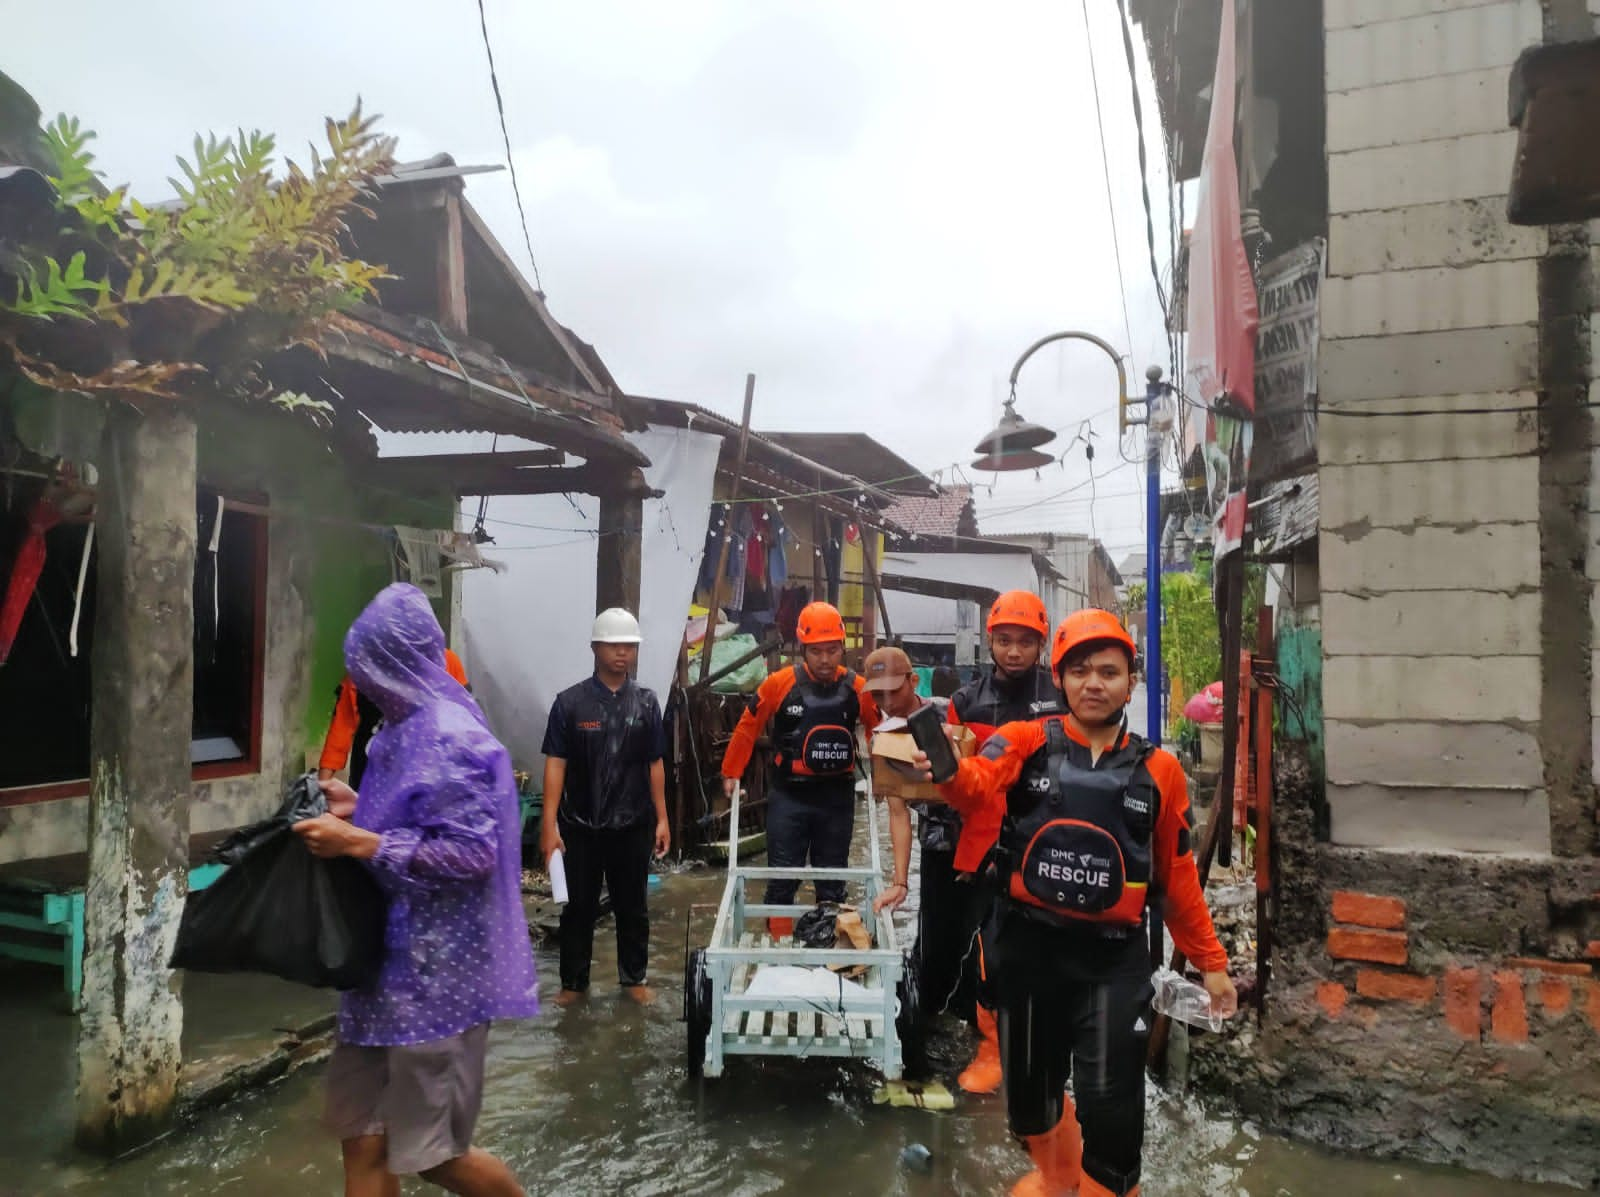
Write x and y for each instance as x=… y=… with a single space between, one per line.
x=605 y=805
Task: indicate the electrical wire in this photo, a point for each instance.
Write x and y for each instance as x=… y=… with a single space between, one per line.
x=1105 y=162
x=1144 y=168
x=511 y=162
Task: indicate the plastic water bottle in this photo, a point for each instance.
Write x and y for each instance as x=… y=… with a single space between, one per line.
x=558 y=878
x=917 y=1158
x=1181 y=1000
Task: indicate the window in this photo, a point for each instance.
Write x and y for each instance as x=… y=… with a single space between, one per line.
x=45 y=691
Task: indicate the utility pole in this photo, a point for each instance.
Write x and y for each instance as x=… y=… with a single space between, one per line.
x=1154 y=681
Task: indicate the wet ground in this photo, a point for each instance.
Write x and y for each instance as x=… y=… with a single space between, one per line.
x=596 y=1100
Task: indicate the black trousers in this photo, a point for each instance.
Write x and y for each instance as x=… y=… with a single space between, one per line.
x=620 y=858
x=1076 y=1008
x=809 y=824
x=950 y=911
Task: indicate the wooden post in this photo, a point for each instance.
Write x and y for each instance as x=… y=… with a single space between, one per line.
x=1264 y=661
x=143 y=685
x=451 y=269
x=1230 y=618
x=876 y=581
x=727 y=529
x=617 y=564
x=869 y=603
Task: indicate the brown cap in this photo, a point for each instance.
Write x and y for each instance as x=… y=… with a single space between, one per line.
x=885 y=669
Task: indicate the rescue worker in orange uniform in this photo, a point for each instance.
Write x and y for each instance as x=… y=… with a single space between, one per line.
x=1092 y=818
x=813 y=708
x=355 y=718
x=956 y=892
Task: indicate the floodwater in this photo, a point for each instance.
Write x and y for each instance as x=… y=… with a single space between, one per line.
x=596 y=1100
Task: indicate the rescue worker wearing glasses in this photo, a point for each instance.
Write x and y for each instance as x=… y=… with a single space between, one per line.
x=1092 y=817
x=956 y=850
x=813 y=709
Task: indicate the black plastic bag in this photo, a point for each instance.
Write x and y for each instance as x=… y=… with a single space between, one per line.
x=280 y=910
x=818 y=927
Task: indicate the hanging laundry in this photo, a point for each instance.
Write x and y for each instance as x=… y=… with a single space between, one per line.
x=777 y=551
x=42 y=516
x=790 y=604
x=713 y=547
x=737 y=556
x=419 y=555
x=756 y=549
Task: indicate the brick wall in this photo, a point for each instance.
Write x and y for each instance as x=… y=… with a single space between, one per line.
x=1430 y=536
x=1477 y=1000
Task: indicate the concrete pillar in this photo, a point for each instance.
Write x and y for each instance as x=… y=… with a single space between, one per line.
x=143 y=687
x=617 y=564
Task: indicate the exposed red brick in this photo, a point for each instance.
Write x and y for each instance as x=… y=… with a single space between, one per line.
x=1592 y=1007
x=1509 y=1017
x=1331 y=996
x=1463 y=1002
x=1369 y=910
x=1554 y=968
x=1593 y=950
x=1398 y=987
x=1379 y=947
x=1555 y=994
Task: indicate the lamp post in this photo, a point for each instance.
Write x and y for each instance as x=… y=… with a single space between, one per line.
x=1014 y=445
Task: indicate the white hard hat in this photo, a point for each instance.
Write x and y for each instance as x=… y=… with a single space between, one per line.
x=615 y=625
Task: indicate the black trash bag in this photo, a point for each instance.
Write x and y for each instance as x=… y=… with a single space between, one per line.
x=280 y=910
x=818 y=927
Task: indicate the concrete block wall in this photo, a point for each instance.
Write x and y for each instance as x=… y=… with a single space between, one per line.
x=1430 y=537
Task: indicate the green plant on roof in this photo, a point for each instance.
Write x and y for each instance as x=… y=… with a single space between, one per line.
x=171 y=300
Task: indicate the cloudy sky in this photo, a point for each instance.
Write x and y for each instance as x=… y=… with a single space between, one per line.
x=872 y=206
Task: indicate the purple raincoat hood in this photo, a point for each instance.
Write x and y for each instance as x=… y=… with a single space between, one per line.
x=394 y=653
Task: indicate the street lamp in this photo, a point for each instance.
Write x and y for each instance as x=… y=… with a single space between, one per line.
x=1014 y=445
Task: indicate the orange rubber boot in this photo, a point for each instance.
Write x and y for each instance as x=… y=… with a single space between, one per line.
x=1057 y=1161
x=780 y=928
x=1093 y=1188
x=983 y=1074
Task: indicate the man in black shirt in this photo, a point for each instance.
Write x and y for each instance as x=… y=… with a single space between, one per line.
x=604 y=779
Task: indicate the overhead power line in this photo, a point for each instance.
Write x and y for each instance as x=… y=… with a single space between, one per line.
x=511 y=162
x=1105 y=163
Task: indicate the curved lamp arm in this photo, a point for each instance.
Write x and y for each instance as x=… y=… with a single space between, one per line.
x=1122 y=374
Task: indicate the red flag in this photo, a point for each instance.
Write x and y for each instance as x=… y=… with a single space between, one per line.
x=1222 y=314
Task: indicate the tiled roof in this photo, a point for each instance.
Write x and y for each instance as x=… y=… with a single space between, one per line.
x=948 y=513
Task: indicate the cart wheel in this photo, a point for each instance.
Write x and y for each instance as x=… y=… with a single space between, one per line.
x=697 y=1008
x=908 y=1022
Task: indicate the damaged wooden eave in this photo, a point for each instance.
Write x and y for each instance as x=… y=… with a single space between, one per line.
x=1555 y=106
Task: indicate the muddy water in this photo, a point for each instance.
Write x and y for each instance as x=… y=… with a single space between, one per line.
x=596 y=1101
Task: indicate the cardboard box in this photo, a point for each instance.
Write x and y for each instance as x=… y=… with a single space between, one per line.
x=892 y=752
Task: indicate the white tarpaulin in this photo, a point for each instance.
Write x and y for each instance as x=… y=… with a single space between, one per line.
x=526 y=631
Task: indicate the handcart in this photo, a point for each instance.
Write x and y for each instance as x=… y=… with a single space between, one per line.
x=871 y=1019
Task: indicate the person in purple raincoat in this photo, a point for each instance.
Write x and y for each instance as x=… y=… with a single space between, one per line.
x=437 y=823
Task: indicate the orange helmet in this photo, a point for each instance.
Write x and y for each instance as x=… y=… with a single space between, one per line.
x=1020 y=609
x=1088 y=626
x=820 y=623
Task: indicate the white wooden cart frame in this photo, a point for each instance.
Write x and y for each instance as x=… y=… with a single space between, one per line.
x=857 y=1026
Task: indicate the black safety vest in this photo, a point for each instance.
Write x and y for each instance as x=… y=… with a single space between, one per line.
x=815 y=727
x=1075 y=846
x=984 y=705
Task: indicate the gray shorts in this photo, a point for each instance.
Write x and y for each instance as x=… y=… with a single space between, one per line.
x=424 y=1097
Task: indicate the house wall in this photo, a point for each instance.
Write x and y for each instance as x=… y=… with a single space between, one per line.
x=321 y=569
x=1434 y=981
x=1430 y=537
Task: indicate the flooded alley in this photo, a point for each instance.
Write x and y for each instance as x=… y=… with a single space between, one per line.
x=596 y=1101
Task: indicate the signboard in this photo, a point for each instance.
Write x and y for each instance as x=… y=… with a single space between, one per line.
x=1222 y=311
x=1286 y=362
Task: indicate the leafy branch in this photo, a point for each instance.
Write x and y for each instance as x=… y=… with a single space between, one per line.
x=243 y=262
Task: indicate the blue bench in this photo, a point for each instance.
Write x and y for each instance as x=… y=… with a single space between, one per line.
x=43 y=923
